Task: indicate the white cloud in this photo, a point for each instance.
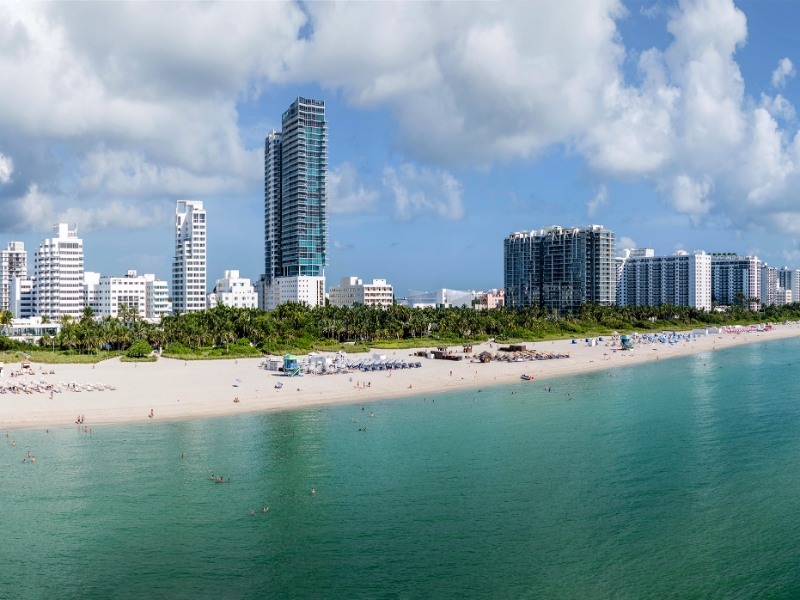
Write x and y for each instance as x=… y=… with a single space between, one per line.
x=345 y=195
x=114 y=214
x=689 y=196
x=419 y=191
x=6 y=168
x=626 y=242
x=598 y=200
x=784 y=71
x=143 y=97
x=779 y=107
x=342 y=245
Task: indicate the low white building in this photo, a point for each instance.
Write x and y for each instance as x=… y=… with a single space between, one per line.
x=233 y=290
x=443 y=298
x=352 y=291
x=157 y=300
x=30 y=329
x=148 y=295
x=302 y=289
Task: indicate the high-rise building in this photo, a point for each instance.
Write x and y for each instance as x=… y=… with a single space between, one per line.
x=682 y=279
x=789 y=279
x=272 y=207
x=13 y=263
x=189 y=264
x=769 y=285
x=295 y=204
x=58 y=266
x=735 y=279
x=561 y=269
x=304 y=168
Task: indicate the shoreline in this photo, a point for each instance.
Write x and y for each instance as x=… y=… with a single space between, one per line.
x=186 y=390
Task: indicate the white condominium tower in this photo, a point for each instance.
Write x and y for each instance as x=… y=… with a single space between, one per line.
x=58 y=267
x=13 y=262
x=682 y=279
x=189 y=264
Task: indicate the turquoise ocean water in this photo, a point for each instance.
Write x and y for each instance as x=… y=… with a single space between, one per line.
x=679 y=478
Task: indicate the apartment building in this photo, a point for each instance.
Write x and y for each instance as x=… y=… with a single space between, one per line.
x=559 y=268
x=58 y=274
x=352 y=291
x=682 y=279
x=189 y=263
x=734 y=277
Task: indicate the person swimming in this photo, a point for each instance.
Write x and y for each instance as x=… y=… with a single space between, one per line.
x=313 y=491
x=183 y=455
x=252 y=513
x=265 y=509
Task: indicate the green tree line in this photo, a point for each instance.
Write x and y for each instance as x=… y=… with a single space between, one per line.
x=227 y=331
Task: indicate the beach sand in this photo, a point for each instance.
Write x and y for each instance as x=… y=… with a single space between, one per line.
x=178 y=390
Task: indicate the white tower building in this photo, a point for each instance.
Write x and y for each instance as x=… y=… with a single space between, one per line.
x=58 y=267
x=189 y=264
x=13 y=263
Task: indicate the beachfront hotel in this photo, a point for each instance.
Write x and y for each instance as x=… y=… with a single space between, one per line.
x=58 y=274
x=146 y=294
x=189 y=263
x=352 y=291
x=440 y=298
x=682 y=279
x=295 y=207
x=732 y=275
x=558 y=268
x=13 y=263
x=233 y=290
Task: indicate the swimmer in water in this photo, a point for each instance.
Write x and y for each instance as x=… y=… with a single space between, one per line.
x=252 y=513
x=266 y=508
x=212 y=477
x=183 y=455
x=313 y=491
x=371 y=414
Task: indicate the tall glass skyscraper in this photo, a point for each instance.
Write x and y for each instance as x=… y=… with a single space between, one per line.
x=304 y=166
x=272 y=207
x=295 y=207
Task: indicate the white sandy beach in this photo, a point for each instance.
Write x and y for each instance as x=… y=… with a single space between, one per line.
x=177 y=390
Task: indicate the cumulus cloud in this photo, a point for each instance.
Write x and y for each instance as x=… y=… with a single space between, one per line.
x=142 y=99
x=784 y=71
x=598 y=200
x=345 y=194
x=626 y=242
x=418 y=191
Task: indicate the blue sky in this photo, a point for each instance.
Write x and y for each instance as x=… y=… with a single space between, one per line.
x=671 y=123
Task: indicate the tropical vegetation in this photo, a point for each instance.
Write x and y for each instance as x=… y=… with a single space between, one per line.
x=227 y=332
